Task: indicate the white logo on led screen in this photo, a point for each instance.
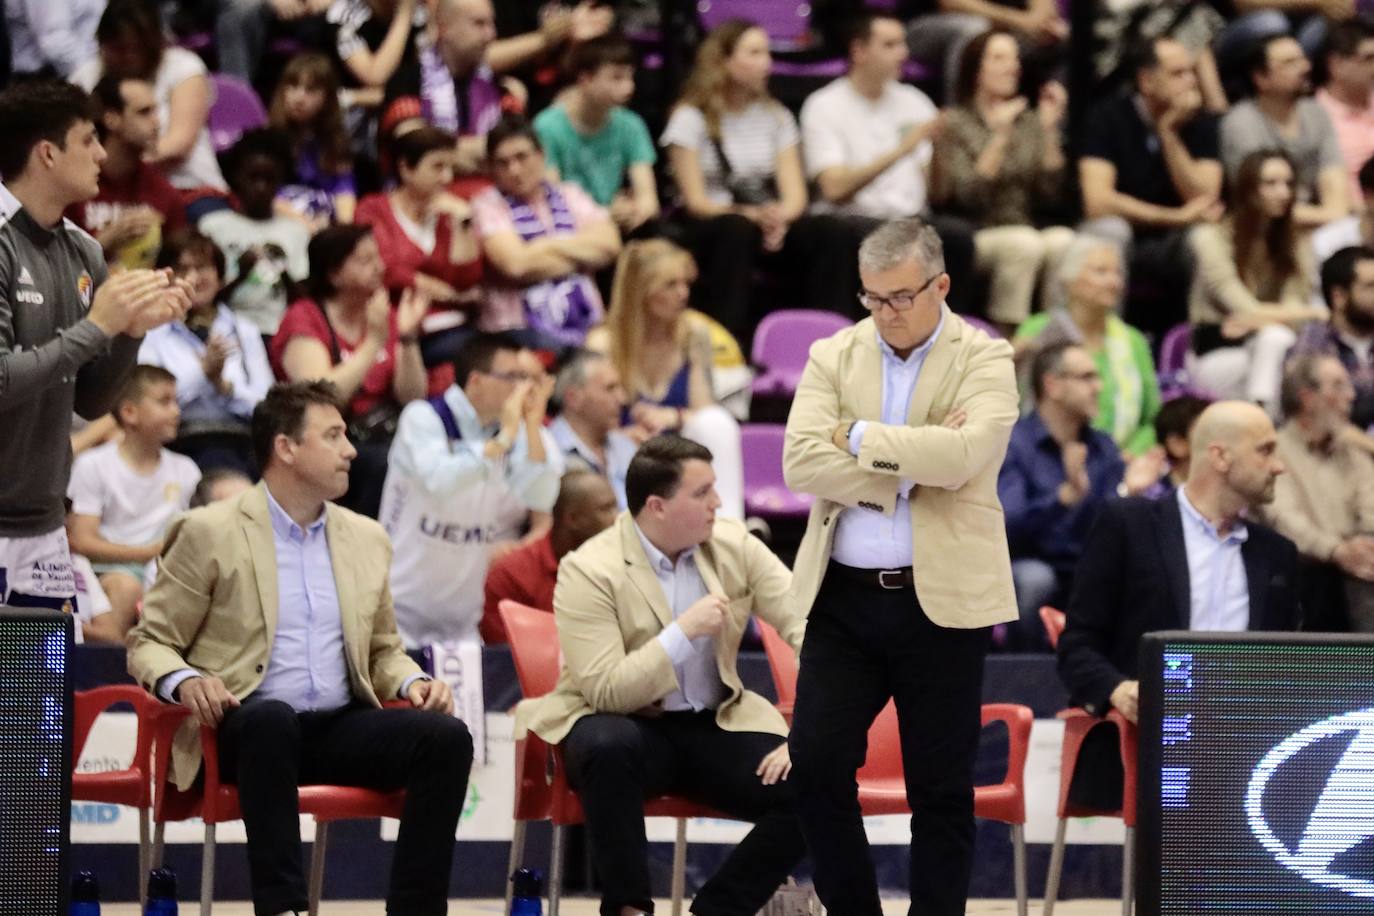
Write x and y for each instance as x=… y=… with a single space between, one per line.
x=1344 y=815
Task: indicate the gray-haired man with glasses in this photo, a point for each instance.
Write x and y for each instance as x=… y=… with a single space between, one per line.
x=898 y=428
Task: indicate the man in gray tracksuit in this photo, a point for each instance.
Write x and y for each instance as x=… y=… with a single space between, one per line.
x=68 y=335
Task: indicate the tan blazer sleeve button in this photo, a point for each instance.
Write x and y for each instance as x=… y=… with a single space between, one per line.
x=258 y=669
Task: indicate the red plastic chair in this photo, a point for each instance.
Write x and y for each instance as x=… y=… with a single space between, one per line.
x=882 y=786
x=1077 y=724
x=132 y=786
x=216 y=802
x=534 y=648
x=1054 y=620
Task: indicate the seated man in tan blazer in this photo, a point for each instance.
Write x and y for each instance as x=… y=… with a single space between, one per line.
x=271 y=620
x=650 y=613
x=899 y=427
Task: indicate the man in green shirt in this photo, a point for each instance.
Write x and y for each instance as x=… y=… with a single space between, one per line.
x=592 y=139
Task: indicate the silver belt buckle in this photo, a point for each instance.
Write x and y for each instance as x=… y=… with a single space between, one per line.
x=882 y=580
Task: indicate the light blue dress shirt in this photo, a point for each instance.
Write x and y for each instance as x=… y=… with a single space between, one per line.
x=306 y=668
x=620 y=448
x=863 y=538
x=1220 y=590
x=177 y=349
x=694 y=660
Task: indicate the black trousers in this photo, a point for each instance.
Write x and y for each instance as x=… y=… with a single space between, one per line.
x=616 y=762
x=269 y=749
x=864 y=645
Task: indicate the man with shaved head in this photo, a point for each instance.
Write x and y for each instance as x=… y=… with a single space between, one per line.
x=1190 y=562
x=586 y=506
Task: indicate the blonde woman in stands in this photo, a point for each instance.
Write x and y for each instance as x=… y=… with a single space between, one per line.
x=735 y=154
x=663 y=358
x=997 y=164
x=1253 y=285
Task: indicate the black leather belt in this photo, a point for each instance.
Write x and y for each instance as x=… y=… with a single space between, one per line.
x=886 y=579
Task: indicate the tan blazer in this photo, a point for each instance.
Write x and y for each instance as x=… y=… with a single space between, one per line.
x=214 y=607
x=959 y=538
x=610 y=609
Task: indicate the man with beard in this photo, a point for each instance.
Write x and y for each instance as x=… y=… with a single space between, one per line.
x=1192 y=561
x=1282 y=114
x=1326 y=505
x=1348 y=288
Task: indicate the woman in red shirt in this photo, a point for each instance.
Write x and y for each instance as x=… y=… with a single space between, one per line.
x=347 y=333
x=426 y=239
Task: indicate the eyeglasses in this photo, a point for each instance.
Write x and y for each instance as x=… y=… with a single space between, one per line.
x=898 y=302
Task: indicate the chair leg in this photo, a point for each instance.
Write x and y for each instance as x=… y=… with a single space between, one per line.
x=317 y=851
x=1056 y=867
x=679 y=866
x=1018 y=853
x=155 y=855
x=556 y=868
x=517 y=858
x=144 y=856
x=1128 y=873
x=207 y=871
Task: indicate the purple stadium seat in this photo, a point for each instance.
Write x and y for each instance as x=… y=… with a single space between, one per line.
x=765 y=493
x=781 y=344
x=236 y=109
x=1173 y=352
x=788 y=24
x=981 y=325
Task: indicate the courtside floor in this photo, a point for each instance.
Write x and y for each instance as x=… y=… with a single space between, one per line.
x=582 y=906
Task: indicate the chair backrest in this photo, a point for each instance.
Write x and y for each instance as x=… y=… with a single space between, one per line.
x=982 y=325
x=884 y=760
x=787 y=22
x=1054 y=621
x=761 y=444
x=783 y=339
x=1173 y=350
x=533 y=646
x=235 y=110
x=782 y=664
x=87 y=705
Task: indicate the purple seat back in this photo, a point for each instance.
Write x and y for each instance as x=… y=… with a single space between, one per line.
x=982 y=325
x=782 y=343
x=787 y=22
x=1173 y=351
x=236 y=109
x=765 y=492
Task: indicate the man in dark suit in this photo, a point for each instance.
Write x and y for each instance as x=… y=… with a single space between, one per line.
x=1189 y=561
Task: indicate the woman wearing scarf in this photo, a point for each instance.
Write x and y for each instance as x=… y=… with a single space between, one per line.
x=1093 y=280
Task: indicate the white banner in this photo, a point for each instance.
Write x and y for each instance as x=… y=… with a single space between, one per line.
x=459 y=664
x=487 y=812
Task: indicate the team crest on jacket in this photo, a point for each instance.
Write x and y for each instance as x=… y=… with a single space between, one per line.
x=83 y=288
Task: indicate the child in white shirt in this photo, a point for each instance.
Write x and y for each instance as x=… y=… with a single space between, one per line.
x=124 y=493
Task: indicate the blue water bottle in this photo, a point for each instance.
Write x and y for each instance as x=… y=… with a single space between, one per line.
x=85 y=895
x=162 y=893
x=527 y=893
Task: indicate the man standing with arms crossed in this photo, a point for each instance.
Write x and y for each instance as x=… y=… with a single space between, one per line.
x=68 y=338
x=899 y=426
